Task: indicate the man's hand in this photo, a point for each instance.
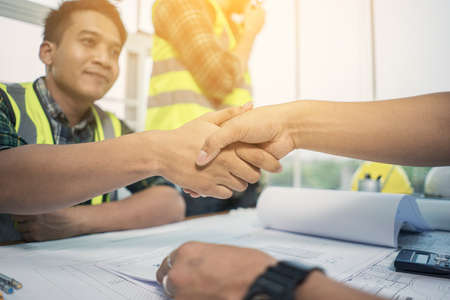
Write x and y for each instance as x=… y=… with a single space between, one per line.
x=51 y=226
x=227 y=172
x=264 y=126
x=200 y=271
x=208 y=271
x=254 y=19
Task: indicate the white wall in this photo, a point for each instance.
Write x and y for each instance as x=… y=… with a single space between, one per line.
x=411 y=50
x=334 y=55
x=19 y=53
x=335 y=50
x=412 y=47
x=272 y=63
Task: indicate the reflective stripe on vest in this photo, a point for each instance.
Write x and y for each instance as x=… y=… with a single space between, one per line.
x=31 y=121
x=170 y=77
x=108 y=127
x=33 y=125
x=174 y=96
x=173 y=65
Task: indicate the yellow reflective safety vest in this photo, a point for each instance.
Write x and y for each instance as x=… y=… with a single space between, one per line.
x=174 y=96
x=393 y=179
x=32 y=124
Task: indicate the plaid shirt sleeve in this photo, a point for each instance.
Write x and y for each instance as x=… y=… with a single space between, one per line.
x=188 y=26
x=148 y=182
x=8 y=135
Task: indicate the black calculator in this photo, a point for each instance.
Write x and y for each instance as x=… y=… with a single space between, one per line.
x=424 y=262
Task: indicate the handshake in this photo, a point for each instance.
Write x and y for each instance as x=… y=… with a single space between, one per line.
x=223 y=151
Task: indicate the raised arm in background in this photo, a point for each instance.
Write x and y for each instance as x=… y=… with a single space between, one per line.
x=188 y=26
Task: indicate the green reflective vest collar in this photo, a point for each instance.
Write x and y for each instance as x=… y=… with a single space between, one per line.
x=32 y=122
x=108 y=126
x=33 y=125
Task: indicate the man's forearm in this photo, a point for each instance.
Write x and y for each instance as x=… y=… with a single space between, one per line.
x=151 y=207
x=36 y=179
x=318 y=287
x=406 y=131
x=208 y=271
x=42 y=178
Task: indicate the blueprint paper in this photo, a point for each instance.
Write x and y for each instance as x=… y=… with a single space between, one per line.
x=121 y=265
x=340 y=259
x=380 y=279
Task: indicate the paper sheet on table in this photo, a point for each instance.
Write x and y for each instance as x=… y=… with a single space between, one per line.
x=121 y=265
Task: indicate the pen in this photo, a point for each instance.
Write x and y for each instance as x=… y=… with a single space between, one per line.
x=11 y=281
x=6 y=288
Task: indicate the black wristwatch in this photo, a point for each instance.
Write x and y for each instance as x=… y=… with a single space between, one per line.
x=279 y=282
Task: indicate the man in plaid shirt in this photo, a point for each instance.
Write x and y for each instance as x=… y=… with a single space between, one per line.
x=154 y=201
x=190 y=27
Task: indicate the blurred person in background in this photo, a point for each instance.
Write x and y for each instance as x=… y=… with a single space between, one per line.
x=201 y=50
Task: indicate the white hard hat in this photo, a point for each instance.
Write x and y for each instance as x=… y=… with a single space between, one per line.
x=437 y=182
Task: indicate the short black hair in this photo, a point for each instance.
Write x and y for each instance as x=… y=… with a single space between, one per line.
x=58 y=20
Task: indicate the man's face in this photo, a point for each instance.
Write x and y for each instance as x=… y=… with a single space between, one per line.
x=85 y=64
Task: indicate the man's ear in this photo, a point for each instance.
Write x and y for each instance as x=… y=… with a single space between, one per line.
x=47 y=52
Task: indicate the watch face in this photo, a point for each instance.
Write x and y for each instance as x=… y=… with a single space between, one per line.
x=261 y=296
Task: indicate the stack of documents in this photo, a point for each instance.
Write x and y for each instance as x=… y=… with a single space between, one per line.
x=372 y=218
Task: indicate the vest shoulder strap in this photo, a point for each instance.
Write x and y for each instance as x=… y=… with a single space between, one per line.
x=31 y=122
x=108 y=125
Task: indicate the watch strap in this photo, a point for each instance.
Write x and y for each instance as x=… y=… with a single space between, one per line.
x=279 y=282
